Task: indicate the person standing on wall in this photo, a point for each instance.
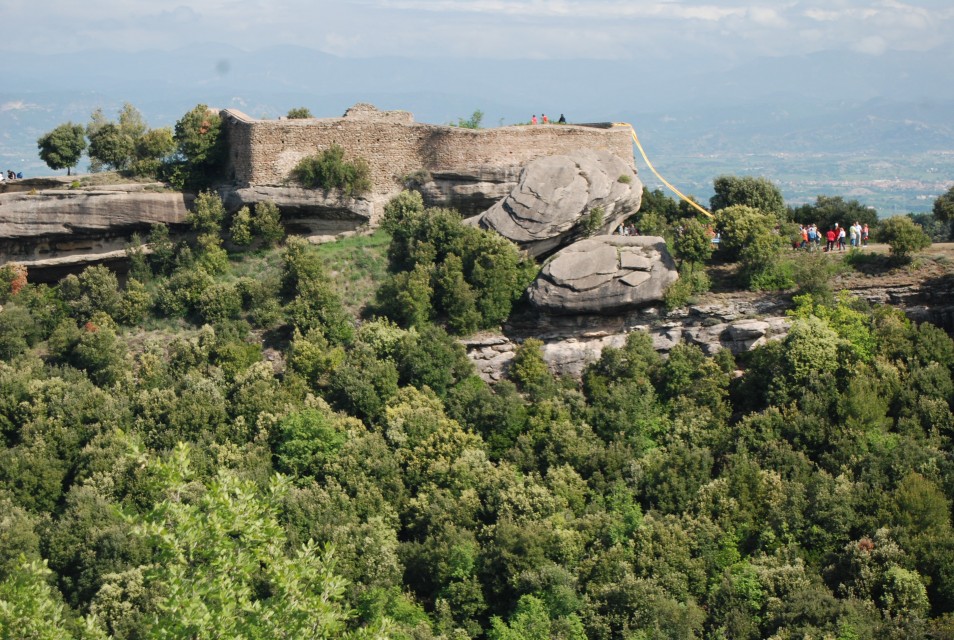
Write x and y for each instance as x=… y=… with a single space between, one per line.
x=533 y=120
x=562 y=120
x=545 y=119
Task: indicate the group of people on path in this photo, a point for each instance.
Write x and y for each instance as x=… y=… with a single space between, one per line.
x=10 y=175
x=545 y=120
x=835 y=237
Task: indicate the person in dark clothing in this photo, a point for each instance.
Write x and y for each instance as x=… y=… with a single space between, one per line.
x=562 y=120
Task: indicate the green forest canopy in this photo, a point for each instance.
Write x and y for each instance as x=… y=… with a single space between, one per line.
x=365 y=482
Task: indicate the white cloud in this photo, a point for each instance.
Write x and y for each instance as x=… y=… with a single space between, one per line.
x=554 y=29
x=872 y=45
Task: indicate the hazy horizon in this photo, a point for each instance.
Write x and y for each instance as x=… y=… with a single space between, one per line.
x=709 y=86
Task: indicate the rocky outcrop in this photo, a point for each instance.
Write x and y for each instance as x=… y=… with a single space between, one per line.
x=603 y=275
x=471 y=192
x=557 y=197
x=40 y=225
x=711 y=328
x=306 y=211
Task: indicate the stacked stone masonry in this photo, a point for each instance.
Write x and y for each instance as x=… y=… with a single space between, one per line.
x=264 y=152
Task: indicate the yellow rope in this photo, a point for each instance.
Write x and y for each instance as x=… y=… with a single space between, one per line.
x=649 y=164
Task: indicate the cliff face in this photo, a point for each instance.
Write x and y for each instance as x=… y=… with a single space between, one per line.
x=38 y=226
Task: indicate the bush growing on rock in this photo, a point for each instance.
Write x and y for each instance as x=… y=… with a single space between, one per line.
x=903 y=236
x=330 y=171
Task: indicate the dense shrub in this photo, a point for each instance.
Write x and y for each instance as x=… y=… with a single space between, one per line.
x=96 y=289
x=218 y=302
x=903 y=237
x=444 y=270
x=330 y=171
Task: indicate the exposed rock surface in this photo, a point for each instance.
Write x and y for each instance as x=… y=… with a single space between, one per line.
x=59 y=222
x=470 y=192
x=568 y=355
x=555 y=194
x=306 y=211
x=604 y=274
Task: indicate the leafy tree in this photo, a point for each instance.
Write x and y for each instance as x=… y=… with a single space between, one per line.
x=307 y=441
x=529 y=371
x=206 y=218
x=658 y=203
x=826 y=211
x=241 y=229
x=152 y=148
x=110 y=146
x=267 y=223
x=694 y=242
x=128 y=144
x=95 y=290
x=944 y=205
x=30 y=610
x=222 y=568
x=421 y=286
x=200 y=145
x=749 y=191
x=63 y=147
x=739 y=226
x=903 y=237
x=299 y=113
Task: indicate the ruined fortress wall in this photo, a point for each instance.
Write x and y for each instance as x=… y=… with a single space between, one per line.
x=263 y=152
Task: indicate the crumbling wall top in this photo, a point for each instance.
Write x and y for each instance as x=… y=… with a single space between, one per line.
x=366 y=111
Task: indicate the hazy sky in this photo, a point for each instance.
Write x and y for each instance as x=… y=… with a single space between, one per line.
x=604 y=29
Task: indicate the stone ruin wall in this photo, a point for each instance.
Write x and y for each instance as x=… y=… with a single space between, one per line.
x=264 y=152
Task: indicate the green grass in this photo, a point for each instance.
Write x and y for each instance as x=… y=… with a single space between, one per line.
x=357 y=266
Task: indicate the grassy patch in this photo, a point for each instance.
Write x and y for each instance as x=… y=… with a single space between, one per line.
x=357 y=266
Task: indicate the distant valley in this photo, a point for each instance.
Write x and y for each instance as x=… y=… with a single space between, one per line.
x=872 y=135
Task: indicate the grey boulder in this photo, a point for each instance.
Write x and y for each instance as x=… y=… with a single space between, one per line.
x=556 y=195
x=604 y=274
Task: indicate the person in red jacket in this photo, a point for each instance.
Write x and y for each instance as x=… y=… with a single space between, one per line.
x=830 y=236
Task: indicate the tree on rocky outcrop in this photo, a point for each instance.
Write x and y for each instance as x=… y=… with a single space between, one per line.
x=200 y=149
x=903 y=237
x=758 y=193
x=127 y=145
x=442 y=269
x=62 y=147
x=110 y=147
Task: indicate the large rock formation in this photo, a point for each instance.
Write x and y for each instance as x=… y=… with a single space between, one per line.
x=471 y=192
x=306 y=211
x=39 y=225
x=558 y=196
x=604 y=274
x=570 y=343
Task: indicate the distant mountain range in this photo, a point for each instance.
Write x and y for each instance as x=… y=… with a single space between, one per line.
x=694 y=116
